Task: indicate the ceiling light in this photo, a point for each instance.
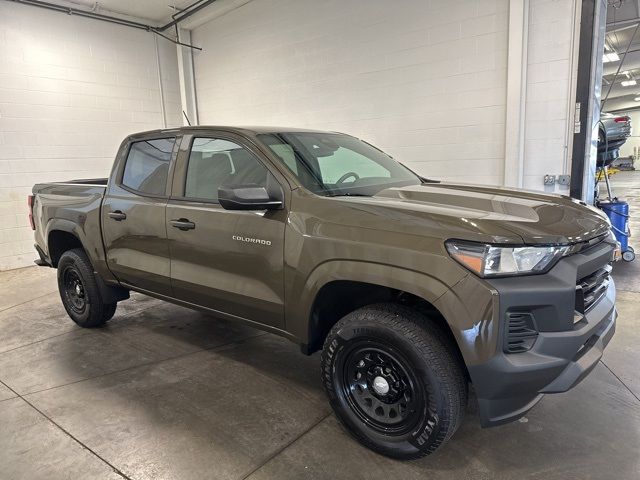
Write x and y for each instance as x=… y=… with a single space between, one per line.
x=628 y=83
x=610 y=57
x=637 y=99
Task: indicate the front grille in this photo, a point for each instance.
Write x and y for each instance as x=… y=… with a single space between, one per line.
x=521 y=332
x=592 y=288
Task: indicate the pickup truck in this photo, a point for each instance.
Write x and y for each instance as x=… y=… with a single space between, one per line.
x=412 y=289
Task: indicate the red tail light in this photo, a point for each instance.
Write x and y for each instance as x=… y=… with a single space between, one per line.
x=621 y=119
x=30 y=199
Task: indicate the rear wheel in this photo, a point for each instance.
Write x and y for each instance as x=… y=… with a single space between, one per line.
x=79 y=290
x=393 y=380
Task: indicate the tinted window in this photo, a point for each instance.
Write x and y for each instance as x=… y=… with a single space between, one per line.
x=147 y=166
x=215 y=162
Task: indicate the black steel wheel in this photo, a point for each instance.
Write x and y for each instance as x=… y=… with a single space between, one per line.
x=394 y=380
x=79 y=290
x=74 y=290
x=381 y=387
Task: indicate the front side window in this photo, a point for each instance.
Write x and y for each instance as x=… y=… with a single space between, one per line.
x=337 y=164
x=216 y=162
x=147 y=166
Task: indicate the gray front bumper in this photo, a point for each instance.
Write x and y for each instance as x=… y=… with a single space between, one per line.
x=567 y=348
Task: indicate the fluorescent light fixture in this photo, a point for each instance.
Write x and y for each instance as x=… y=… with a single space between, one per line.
x=610 y=57
x=637 y=99
x=628 y=83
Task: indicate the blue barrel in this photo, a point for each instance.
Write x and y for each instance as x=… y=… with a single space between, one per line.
x=618 y=213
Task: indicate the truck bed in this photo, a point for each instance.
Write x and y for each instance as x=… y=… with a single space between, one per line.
x=74 y=207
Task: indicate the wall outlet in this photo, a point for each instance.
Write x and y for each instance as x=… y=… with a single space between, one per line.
x=564 y=179
x=549 y=179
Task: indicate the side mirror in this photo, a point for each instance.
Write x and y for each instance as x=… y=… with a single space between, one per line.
x=249 y=197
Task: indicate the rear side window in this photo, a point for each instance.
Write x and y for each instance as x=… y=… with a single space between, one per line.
x=147 y=166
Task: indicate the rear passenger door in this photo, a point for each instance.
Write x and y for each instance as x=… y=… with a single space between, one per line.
x=133 y=215
x=229 y=261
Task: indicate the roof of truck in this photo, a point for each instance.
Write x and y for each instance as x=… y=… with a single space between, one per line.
x=227 y=128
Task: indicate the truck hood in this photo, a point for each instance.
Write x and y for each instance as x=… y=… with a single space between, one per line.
x=491 y=214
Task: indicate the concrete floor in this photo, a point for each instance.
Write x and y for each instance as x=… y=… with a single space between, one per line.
x=164 y=392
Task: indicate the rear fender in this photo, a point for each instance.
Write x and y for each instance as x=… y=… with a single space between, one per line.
x=90 y=237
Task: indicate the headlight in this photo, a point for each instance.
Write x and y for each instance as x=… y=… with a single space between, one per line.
x=493 y=261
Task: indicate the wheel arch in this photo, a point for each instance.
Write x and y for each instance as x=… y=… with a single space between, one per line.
x=62 y=235
x=337 y=288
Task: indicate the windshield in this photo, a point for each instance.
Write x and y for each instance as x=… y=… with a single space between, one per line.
x=337 y=164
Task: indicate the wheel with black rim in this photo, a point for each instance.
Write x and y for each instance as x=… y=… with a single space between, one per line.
x=79 y=290
x=394 y=380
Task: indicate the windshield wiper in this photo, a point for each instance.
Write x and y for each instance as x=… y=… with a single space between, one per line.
x=348 y=194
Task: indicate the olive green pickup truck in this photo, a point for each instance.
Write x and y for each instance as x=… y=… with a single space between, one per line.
x=413 y=289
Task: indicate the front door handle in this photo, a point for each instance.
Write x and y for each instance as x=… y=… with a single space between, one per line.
x=183 y=224
x=117 y=215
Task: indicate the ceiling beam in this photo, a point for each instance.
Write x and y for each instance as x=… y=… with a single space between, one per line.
x=622 y=24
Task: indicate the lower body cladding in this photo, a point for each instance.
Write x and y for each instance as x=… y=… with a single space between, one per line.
x=553 y=330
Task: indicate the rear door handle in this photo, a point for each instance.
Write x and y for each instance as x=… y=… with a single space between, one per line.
x=182 y=224
x=117 y=215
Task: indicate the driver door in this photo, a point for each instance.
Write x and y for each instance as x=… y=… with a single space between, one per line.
x=230 y=261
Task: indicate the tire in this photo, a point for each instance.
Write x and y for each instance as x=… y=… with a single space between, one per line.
x=79 y=291
x=388 y=358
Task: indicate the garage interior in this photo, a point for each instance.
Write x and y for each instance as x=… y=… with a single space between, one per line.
x=471 y=91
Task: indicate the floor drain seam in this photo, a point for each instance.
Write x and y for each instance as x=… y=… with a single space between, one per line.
x=153 y=362
x=620 y=380
x=286 y=446
x=73 y=329
x=37 y=341
x=63 y=430
x=27 y=301
x=115 y=469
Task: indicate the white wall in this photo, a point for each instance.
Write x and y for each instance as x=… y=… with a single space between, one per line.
x=424 y=80
x=70 y=90
x=548 y=123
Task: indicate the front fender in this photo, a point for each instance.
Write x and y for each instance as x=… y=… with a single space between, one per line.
x=417 y=283
x=468 y=306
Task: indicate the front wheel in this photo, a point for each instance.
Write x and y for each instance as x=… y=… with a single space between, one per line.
x=79 y=290
x=394 y=381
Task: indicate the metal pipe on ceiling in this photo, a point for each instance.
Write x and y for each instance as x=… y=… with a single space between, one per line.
x=177 y=18
x=186 y=12
x=83 y=13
